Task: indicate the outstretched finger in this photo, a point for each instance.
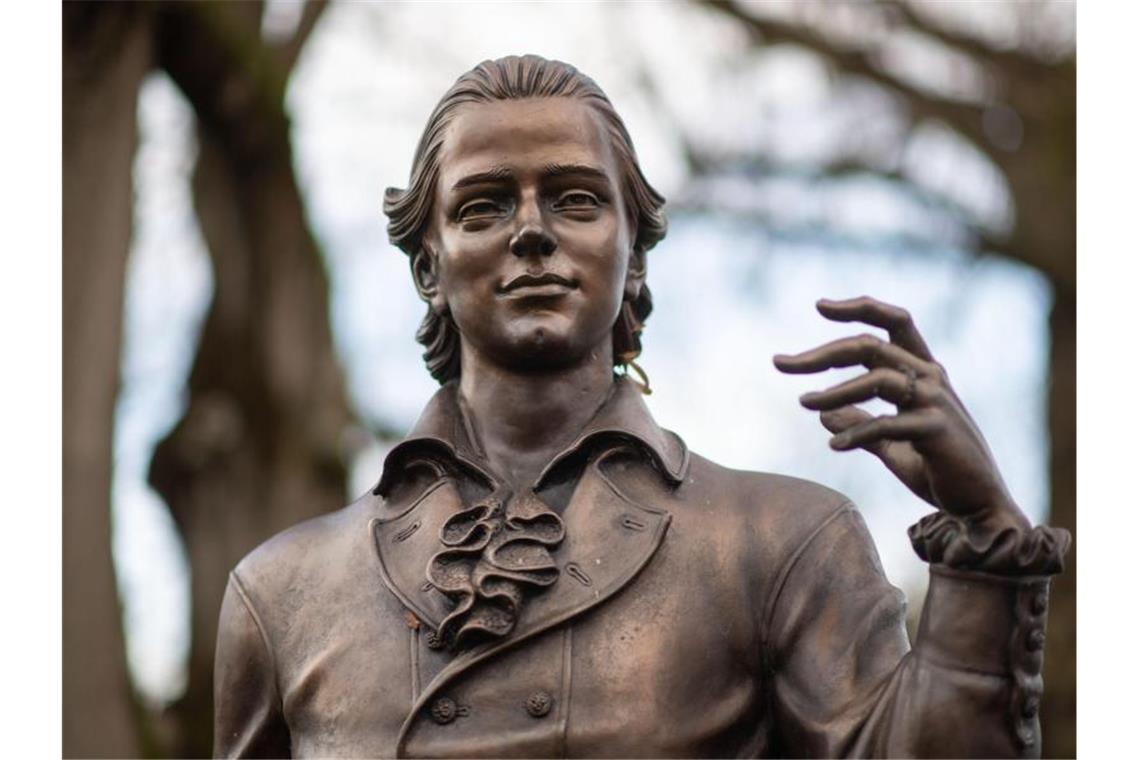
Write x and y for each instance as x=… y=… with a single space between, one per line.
x=894 y=319
x=848 y=352
x=887 y=384
x=843 y=418
x=900 y=458
x=909 y=426
x=846 y=417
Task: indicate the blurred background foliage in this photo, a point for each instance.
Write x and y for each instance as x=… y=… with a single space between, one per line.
x=238 y=333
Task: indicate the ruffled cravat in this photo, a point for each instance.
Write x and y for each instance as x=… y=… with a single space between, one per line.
x=495 y=553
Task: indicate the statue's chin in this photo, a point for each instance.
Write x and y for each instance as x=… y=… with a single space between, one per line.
x=541 y=349
x=540 y=341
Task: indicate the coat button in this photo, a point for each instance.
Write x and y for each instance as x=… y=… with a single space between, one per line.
x=538 y=704
x=1039 y=603
x=443 y=711
x=434 y=640
x=1035 y=641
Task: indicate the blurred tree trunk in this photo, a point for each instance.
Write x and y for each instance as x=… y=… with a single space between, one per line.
x=107 y=52
x=259 y=447
x=1059 y=706
x=1042 y=176
x=1039 y=86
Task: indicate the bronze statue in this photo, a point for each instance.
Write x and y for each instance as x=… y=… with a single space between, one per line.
x=543 y=571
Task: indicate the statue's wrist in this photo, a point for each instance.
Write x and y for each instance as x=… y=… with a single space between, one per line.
x=998 y=542
x=997 y=516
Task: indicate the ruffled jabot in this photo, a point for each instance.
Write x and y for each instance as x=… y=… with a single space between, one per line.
x=495 y=553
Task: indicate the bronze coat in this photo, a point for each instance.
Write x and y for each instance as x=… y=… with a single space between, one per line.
x=699 y=611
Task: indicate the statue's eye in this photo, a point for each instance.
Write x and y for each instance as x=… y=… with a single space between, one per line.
x=479 y=209
x=575 y=200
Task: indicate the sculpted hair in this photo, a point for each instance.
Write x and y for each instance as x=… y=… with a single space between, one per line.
x=517 y=78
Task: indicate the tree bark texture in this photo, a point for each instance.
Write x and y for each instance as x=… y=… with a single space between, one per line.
x=259 y=447
x=107 y=51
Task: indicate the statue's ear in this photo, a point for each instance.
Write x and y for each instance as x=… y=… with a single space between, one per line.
x=635 y=274
x=425 y=273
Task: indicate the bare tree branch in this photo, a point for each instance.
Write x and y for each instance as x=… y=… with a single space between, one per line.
x=1007 y=63
x=974 y=236
x=776 y=229
x=963 y=117
x=703 y=166
x=1029 y=243
x=1022 y=63
x=290 y=51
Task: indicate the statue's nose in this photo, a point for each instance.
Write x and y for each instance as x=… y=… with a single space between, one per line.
x=532 y=239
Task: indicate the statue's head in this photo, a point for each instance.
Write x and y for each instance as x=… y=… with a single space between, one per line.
x=527 y=213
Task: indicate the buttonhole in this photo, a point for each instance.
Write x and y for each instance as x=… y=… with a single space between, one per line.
x=404 y=534
x=631 y=522
x=576 y=572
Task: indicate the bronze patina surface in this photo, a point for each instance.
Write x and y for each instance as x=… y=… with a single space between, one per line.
x=542 y=570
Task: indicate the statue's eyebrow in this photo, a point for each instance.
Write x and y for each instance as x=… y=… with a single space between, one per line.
x=500 y=173
x=557 y=170
x=497 y=174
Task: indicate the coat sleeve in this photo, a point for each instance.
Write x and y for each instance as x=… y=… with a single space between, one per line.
x=248 y=719
x=845 y=682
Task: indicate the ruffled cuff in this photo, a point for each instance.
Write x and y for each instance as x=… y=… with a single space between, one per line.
x=940 y=538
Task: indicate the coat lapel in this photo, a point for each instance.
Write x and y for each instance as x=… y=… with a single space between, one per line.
x=405 y=544
x=609 y=539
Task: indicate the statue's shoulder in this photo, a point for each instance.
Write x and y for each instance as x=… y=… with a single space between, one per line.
x=763 y=490
x=308 y=554
x=781 y=508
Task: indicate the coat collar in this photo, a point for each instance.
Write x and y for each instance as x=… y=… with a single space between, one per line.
x=609 y=537
x=443 y=430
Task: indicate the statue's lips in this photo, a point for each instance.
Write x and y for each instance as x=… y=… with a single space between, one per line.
x=529 y=285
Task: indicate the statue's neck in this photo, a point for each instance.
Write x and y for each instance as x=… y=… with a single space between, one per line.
x=523 y=419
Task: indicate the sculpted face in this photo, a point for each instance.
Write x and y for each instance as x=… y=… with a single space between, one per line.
x=530 y=239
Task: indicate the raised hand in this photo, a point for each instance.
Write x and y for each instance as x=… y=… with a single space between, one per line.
x=932 y=444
